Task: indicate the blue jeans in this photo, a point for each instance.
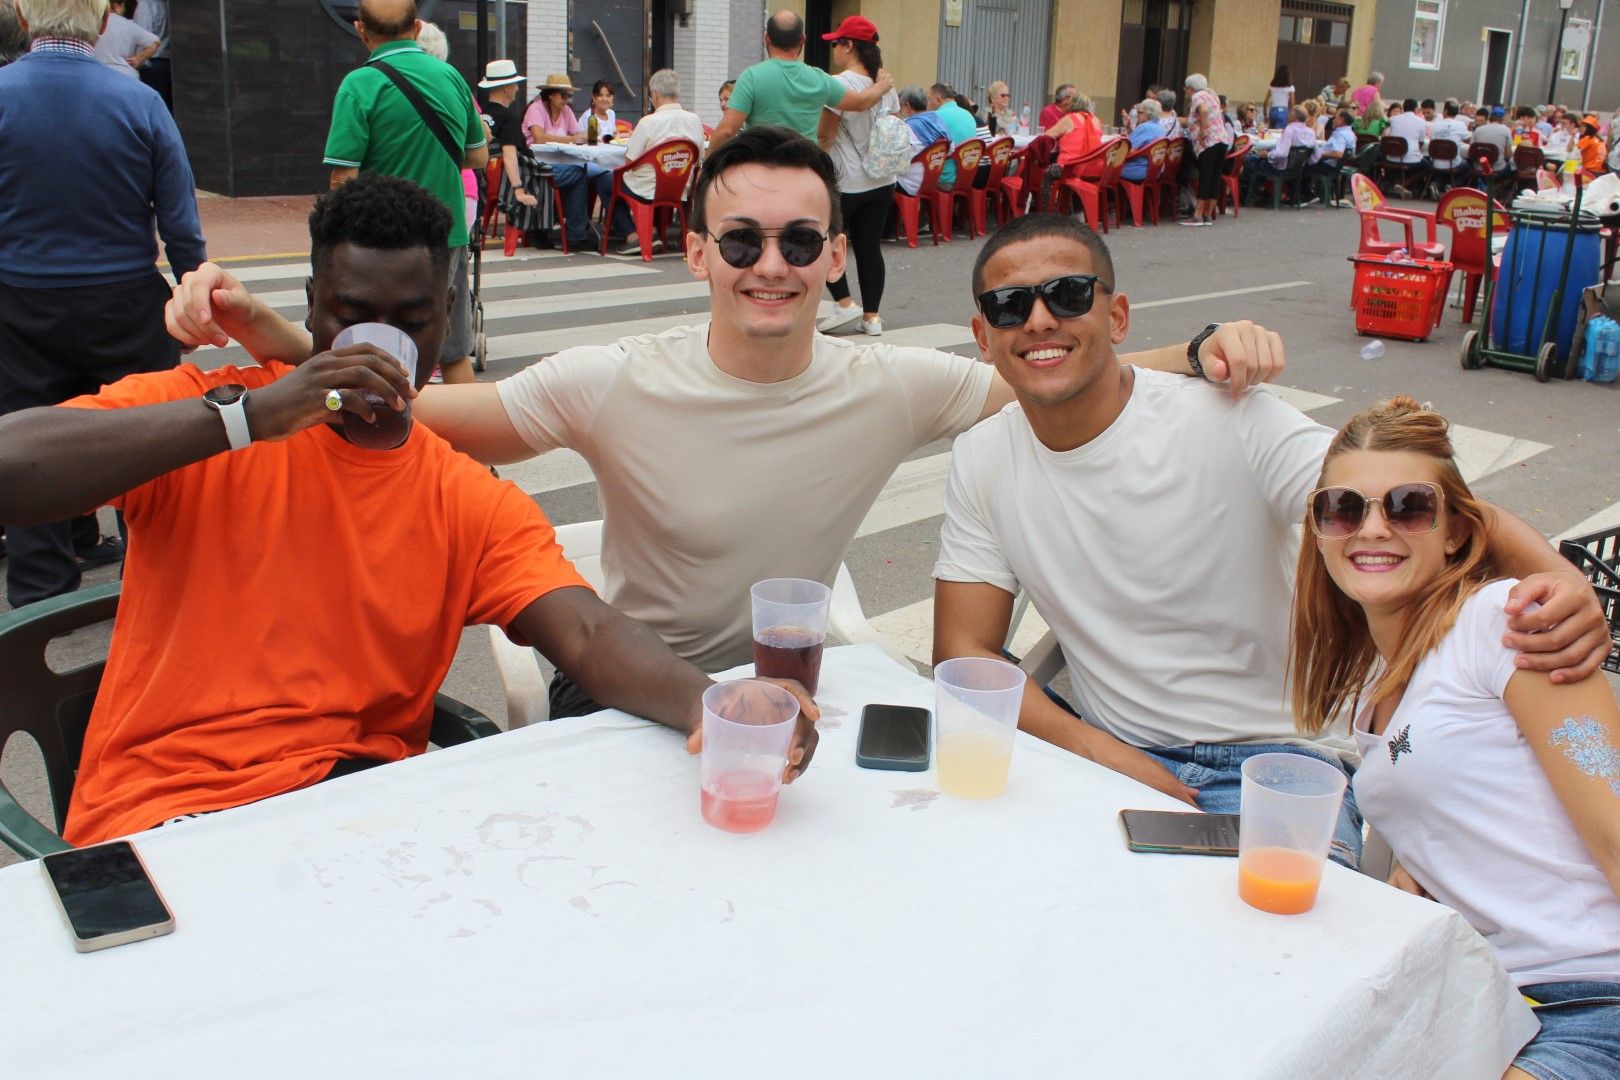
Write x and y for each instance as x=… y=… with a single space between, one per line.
x=1215 y=770
x=570 y=182
x=1577 y=1041
x=623 y=223
x=1277 y=116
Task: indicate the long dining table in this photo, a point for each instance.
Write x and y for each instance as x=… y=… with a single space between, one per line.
x=549 y=902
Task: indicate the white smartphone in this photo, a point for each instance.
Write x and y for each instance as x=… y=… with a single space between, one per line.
x=106 y=896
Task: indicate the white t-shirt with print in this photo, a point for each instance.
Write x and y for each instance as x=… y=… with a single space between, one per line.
x=709 y=483
x=1457 y=792
x=1161 y=553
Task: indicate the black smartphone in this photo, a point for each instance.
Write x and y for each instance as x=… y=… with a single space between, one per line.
x=893 y=737
x=106 y=896
x=1170 y=833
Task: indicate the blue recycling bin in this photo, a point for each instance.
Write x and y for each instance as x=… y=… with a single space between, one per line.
x=1531 y=264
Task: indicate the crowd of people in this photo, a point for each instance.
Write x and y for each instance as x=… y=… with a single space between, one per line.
x=1434 y=638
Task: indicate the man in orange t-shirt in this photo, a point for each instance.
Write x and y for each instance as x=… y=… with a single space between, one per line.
x=292 y=601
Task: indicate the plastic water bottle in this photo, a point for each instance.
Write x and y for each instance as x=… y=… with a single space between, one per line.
x=1607 y=347
x=1023 y=119
x=1372 y=350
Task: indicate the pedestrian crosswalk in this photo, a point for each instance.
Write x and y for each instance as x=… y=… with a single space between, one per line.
x=536 y=304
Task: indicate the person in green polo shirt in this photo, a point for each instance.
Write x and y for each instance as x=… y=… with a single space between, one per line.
x=376 y=129
x=783 y=90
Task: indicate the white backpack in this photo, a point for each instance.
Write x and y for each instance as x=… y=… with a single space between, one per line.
x=888 y=149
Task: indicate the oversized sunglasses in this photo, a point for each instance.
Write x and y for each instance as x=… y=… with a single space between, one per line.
x=1066 y=297
x=742 y=247
x=1338 y=512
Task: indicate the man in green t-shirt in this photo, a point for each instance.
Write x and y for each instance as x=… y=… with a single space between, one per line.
x=376 y=129
x=782 y=89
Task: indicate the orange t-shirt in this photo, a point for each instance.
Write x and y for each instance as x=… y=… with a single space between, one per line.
x=289 y=605
x=1593 y=154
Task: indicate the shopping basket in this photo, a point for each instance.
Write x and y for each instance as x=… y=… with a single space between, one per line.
x=1399 y=299
x=1598 y=557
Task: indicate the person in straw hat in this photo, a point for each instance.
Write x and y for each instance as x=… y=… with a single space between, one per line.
x=550 y=119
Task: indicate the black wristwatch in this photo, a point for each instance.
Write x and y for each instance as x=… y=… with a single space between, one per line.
x=1197 y=343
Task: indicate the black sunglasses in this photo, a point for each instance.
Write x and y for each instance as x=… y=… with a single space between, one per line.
x=1066 y=297
x=741 y=247
x=1338 y=512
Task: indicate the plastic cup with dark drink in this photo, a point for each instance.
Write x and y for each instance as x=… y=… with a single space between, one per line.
x=389 y=429
x=790 y=629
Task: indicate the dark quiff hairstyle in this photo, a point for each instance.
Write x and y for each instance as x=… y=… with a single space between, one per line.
x=381 y=212
x=776 y=147
x=1036 y=226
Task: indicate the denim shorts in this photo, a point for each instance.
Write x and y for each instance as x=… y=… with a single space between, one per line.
x=1580 y=1032
x=1215 y=770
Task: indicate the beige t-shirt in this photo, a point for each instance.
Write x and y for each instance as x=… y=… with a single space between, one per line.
x=709 y=483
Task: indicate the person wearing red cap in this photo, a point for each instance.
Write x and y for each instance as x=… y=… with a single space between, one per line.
x=782 y=89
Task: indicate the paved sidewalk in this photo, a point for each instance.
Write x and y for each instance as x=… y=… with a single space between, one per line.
x=276 y=225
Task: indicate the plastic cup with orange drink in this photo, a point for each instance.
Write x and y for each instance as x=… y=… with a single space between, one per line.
x=1290 y=807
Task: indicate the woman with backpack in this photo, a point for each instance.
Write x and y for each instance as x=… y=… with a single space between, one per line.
x=867 y=169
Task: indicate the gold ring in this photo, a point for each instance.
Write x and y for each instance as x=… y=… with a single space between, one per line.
x=334 y=400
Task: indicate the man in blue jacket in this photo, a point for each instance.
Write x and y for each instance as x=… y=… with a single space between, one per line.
x=88 y=161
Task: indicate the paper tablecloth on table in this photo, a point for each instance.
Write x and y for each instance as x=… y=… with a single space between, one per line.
x=550 y=903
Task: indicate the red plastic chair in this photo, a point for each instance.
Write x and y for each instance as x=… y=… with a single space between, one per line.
x=674 y=165
x=1232 y=176
x=1000 y=153
x=1462 y=210
x=622 y=128
x=1135 y=190
x=1373 y=208
x=966 y=155
x=1012 y=195
x=1170 y=179
x=1096 y=194
x=492 y=210
x=909 y=207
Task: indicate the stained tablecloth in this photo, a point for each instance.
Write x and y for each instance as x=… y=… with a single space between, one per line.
x=549 y=902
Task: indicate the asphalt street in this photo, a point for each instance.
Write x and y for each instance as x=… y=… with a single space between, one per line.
x=1548 y=452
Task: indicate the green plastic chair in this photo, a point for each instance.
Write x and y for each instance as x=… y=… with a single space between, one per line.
x=53 y=707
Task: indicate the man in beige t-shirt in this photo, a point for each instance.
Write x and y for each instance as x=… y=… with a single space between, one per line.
x=744 y=448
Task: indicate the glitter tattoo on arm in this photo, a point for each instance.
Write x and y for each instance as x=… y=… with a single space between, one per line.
x=1586 y=744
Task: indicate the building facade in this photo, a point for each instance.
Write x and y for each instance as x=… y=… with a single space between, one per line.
x=1499 y=51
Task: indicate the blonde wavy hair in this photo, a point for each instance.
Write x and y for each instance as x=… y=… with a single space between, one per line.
x=1331 y=651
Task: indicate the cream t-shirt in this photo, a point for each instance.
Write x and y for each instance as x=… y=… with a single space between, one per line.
x=1160 y=553
x=709 y=483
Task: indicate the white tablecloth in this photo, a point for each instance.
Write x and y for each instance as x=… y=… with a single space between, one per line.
x=550 y=903
x=607 y=155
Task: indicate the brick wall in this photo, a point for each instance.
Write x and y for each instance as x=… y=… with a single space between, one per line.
x=548 y=41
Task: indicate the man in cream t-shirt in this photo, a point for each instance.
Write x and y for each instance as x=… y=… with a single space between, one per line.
x=1152 y=522
x=744 y=448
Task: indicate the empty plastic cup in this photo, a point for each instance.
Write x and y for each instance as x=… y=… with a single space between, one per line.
x=790 y=629
x=976 y=703
x=1290 y=806
x=747 y=729
x=389 y=429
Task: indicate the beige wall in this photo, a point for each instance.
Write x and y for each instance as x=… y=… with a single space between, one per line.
x=1085 y=50
x=1234 y=43
x=908 y=33
x=1362 y=25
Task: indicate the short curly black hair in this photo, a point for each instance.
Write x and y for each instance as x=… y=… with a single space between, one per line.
x=385 y=212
